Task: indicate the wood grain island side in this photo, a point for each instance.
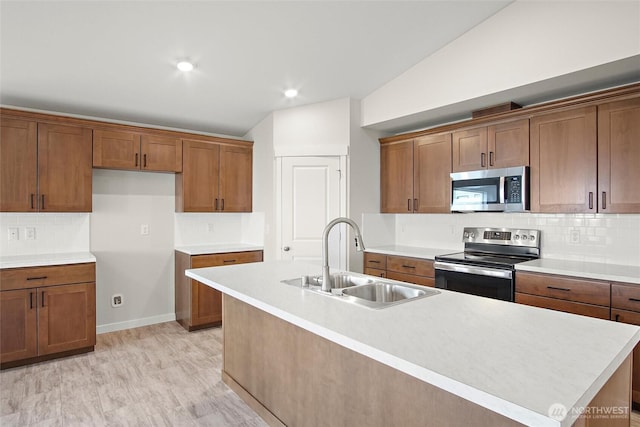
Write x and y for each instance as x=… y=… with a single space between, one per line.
x=301 y=358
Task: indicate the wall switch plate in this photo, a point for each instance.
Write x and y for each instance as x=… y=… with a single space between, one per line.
x=117 y=300
x=144 y=229
x=210 y=228
x=30 y=233
x=13 y=233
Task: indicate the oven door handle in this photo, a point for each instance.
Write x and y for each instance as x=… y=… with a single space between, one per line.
x=473 y=269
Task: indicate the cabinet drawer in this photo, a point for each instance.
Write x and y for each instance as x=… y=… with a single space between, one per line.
x=412 y=278
x=377 y=261
x=216 y=260
x=626 y=297
x=31 y=277
x=563 y=305
x=579 y=290
x=375 y=272
x=625 y=316
x=415 y=266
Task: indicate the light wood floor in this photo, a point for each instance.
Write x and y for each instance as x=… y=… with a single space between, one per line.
x=151 y=376
x=159 y=375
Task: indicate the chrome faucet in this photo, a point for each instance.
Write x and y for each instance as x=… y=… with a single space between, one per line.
x=326 y=277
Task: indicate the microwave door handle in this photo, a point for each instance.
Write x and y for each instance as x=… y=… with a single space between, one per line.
x=502 y=184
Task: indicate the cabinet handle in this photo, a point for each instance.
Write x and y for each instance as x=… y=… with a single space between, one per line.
x=604 y=200
x=555 y=288
x=228 y=261
x=415 y=205
x=42 y=204
x=590 y=199
x=37 y=278
x=408 y=205
x=617 y=317
x=31 y=300
x=634 y=299
x=482 y=159
x=32 y=196
x=144 y=161
x=408 y=266
x=216 y=205
x=136 y=165
x=382 y=274
x=43 y=298
x=490 y=158
x=222 y=204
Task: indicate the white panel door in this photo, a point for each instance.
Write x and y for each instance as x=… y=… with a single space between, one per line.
x=310 y=199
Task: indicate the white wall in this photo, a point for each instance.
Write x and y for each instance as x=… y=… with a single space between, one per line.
x=606 y=238
x=139 y=267
x=524 y=43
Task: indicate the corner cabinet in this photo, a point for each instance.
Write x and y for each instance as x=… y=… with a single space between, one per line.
x=44 y=167
x=46 y=312
x=113 y=149
x=414 y=175
x=200 y=306
x=216 y=177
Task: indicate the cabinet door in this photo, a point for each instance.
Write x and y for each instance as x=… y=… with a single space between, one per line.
x=470 y=149
x=197 y=185
x=64 y=168
x=431 y=173
x=18 y=338
x=162 y=154
x=564 y=161
x=619 y=156
x=396 y=177
x=66 y=317
x=508 y=144
x=206 y=304
x=116 y=150
x=236 y=179
x=18 y=165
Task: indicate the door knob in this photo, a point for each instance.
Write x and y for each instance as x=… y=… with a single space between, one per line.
x=286 y=248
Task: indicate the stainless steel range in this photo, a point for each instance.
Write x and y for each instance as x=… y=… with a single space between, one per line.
x=487 y=265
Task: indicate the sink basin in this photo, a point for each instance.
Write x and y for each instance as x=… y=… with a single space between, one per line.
x=340 y=281
x=386 y=293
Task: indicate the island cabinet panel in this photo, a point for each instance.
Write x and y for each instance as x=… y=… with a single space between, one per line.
x=564 y=161
x=625 y=307
x=46 y=312
x=215 y=178
x=396 y=177
x=405 y=269
x=619 y=156
x=197 y=305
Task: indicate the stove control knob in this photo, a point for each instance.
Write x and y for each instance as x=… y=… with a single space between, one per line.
x=472 y=234
x=517 y=237
x=524 y=237
x=532 y=237
x=465 y=234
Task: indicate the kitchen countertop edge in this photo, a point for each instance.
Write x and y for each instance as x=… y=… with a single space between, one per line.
x=218 y=248
x=42 y=260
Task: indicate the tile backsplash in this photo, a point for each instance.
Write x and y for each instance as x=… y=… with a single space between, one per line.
x=54 y=233
x=216 y=228
x=610 y=238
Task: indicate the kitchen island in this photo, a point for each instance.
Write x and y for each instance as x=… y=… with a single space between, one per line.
x=302 y=358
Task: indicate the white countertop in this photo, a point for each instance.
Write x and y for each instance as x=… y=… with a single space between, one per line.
x=411 y=251
x=513 y=359
x=218 y=248
x=589 y=270
x=17 y=261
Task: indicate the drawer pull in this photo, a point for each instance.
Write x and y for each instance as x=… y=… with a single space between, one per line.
x=229 y=260
x=408 y=266
x=373 y=262
x=634 y=299
x=37 y=278
x=558 y=289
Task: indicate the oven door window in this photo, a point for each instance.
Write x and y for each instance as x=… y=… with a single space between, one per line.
x=473 y=284
x=476 y=191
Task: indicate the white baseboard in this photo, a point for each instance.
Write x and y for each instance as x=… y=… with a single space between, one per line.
x=136 y=323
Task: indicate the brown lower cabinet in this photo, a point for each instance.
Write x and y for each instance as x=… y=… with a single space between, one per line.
x=46 y=312
x=405 y=269
x=625 y=307
x=200 y=306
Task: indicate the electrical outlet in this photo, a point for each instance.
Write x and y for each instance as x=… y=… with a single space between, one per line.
x=30 y=233
x=210 y=228
x=144 y=229
x=117 y=300
x=575 y=236
x=13 y=234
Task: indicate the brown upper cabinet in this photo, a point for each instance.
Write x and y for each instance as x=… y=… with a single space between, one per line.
x=114 y=149
x=500 y=145
x=215 y=177
x=45 y=167
x=564 y=161
x=619 y=156
x=414 y=175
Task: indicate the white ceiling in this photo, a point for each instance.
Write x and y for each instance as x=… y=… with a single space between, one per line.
x=116 y=60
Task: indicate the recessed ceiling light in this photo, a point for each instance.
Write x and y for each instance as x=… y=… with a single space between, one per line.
x=185 y=66
x=291 y=93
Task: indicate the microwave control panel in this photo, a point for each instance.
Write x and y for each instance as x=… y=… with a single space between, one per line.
x=513 y=191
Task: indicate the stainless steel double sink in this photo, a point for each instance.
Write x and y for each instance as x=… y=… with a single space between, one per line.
x=368 y=291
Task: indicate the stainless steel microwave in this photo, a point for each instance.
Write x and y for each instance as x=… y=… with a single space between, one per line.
x=491 y=190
